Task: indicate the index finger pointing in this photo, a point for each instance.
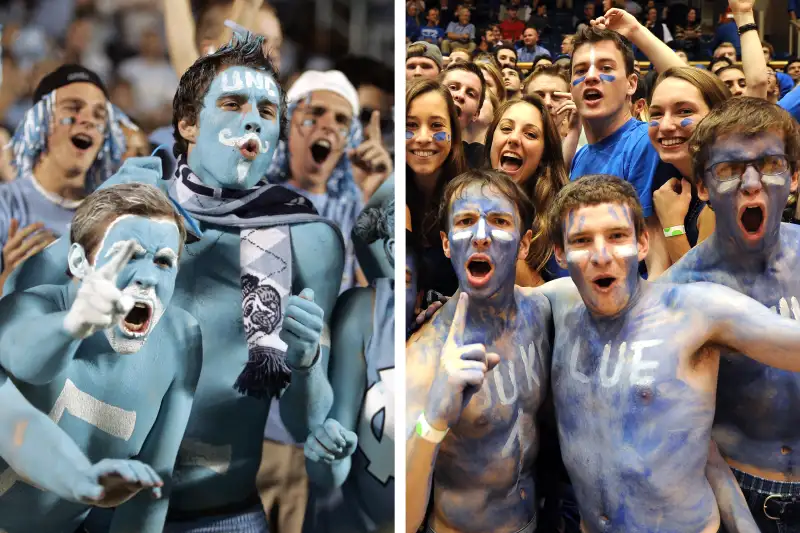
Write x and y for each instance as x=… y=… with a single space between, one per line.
x=374 y=126
x=122 y=257
x=459 y=320
x=562 y=95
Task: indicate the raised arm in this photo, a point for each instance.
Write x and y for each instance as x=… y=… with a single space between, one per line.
x=753 y=63
x=745 y=325
x=660 y=55
x=319 y=262
x=143 y=514
x=181 y=35
x=352 y=321
x=733 y=510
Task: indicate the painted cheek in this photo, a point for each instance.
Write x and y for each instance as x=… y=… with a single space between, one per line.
x=578 y=81
x=685 y=123
x=608 y=78
x=654 y=123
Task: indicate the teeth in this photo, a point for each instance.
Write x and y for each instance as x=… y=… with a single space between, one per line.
x=325 y=143
x=512 y=155
x=423 y=153
x=672 y=142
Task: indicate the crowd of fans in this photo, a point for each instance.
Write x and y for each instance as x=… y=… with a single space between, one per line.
x=89 y=84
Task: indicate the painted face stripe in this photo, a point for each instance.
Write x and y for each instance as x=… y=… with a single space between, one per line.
x=481 y=229
x=461 y=235
x=501 y=235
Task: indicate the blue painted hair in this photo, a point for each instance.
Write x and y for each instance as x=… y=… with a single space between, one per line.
x=340 y=183
x=29 y=142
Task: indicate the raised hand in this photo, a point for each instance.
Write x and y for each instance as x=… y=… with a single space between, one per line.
x=138 y=170
x=99 y=304
x=301 y=329
x=22 y=244
x=568 y=111
x=741 y=6
x=112 y=482
x=459 y=375
x=330 y=442
x=618 y=20
x=672 y=201
x=372 y=164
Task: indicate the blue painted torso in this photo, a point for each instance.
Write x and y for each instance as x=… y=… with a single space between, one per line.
x=757 y=421
x=634 y=404
x=371 y=482
x=106 y=402
x=498 y=425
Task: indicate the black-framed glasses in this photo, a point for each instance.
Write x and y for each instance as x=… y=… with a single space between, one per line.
x=769 y=165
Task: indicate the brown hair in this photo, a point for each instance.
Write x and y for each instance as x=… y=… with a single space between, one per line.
x=494 y=72
x=103 y=206
x=554 y=71
x=472 y=69
x=710 y=86
x=745 y=116
x=593 y=189
x=590 y=34
x=486 y=178
x=423 y=215
x=544 y=184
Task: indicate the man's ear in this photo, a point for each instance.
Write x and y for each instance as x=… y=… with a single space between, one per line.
x=633 y=82
x=525 y=246
x=644 y=244
x=188 y=131
x=78 y=263
x=445 y=244
x=561 y=257
x=702 y=191
x=793 y=187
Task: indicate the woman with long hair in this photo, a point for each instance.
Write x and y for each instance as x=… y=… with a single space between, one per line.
x=682 y=97
x=523 y=142
x=493 y=79
x=434 y=156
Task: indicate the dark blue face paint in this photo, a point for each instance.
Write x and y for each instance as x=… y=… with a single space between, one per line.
x=685 y=123
x=441 y=136
x=608 y=78
x=654 y=123
x=580 y=80
x=409 y=135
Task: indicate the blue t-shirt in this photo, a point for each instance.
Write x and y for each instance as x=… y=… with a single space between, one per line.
x=431 y=34
x=627 y=154
x=412 y=28
x=526 y=55
x=791 y=103
x=785 y=82
x=728 y=33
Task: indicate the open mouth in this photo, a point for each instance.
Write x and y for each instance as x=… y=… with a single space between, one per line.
x=510 y=162
x=249 y=149
x=82 y=141
x=592 y=95
x=604 y=283
x=479 y=270
x=137 y=321
x=752 y=220
x=424 y=153
x=320 y=150
x=673 y=141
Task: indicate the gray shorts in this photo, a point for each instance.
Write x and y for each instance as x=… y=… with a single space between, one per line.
x=529 y=528
x=249 y=522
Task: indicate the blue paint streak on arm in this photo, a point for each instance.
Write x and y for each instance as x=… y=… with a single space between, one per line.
x=48 y=457
x=347 y=375
x=318 y=256
x=36 y=347
x=733 y=510
x=143 y=514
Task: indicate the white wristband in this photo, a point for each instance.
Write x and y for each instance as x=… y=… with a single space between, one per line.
x=429 y=433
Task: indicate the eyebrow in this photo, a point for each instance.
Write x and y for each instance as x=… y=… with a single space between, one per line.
x=138 y=249
x=606 y=230
x=167 y=253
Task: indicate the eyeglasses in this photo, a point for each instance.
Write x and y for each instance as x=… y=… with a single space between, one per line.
x=769 y=165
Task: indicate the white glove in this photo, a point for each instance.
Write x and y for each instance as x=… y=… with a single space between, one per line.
x=99 y=304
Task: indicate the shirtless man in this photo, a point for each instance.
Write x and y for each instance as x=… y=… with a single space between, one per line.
x=745 y=156
x=635 y=369
x=477 y=373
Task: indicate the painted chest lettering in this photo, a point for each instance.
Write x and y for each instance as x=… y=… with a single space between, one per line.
x=641 y=370
x=109 y=419
x=508 y=393
x=379 y=450
x=788 y=308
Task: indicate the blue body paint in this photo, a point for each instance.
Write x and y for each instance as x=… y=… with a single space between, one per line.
x=493 y=444
x=111 y=405
x=216 y=158
x=757 y=422
x=221 y=451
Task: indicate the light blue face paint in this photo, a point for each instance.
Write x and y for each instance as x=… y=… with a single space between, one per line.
x=409 y=135
x=654 y=123
x=502 y=252
x=441 y=136
x=149 y=277
x=685 y=123
x=217 y=158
